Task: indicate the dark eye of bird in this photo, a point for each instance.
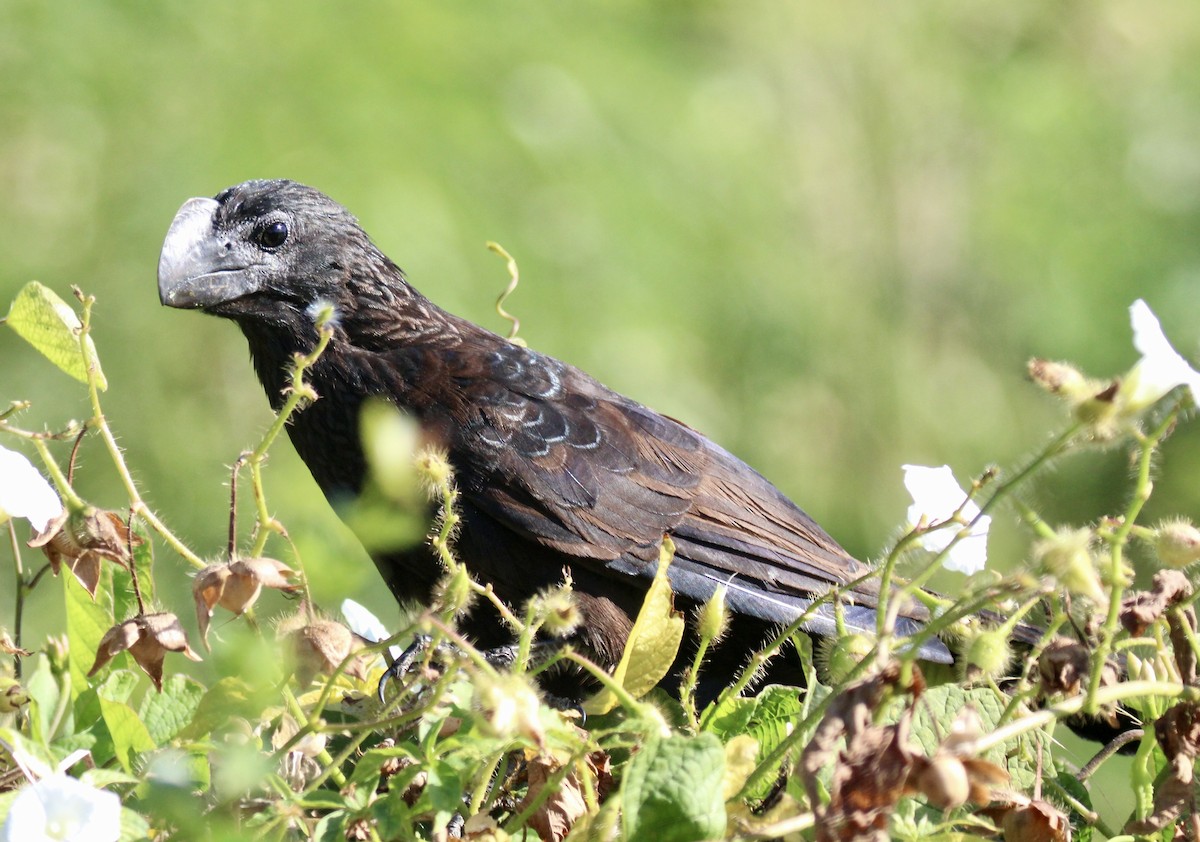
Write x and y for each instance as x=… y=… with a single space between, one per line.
x=274 y=235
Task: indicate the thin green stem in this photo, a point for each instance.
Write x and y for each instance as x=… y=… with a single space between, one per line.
x=1117 y=541
x=61 y=482
x=1076 y=704
x=19 y=608
x=298 y=394
x=136 y=504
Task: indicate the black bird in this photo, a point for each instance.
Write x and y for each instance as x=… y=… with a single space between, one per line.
x=556 y=471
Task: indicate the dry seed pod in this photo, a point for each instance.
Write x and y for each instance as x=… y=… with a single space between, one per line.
x=148 y=638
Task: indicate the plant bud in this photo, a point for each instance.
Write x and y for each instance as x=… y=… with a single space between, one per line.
x=1177 y=543
x=58 y=651
x=434 y=467
x=837 y=657
x=454 y=591
x=1058 y=378
x=712 y=620
x=944 y=782
x=988 y=653
x=1099 y=410
x=509 y=707
x=12 y=695
x=1068 y=558
x=321 y=646
x=147 y=637
x=560 y=614
x=1133 y=664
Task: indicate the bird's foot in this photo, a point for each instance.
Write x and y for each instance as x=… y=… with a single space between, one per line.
x=400 y=667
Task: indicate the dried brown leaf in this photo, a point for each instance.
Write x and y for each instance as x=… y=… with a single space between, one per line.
x=553 y=820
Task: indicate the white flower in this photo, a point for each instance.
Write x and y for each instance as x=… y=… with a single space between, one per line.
x=59 y=808
x=365 y=624
x=937 y=497
x=1161 y=367
x=24 y=492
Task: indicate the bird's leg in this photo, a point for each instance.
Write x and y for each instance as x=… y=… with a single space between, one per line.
x=500 y=657
x=397 y=670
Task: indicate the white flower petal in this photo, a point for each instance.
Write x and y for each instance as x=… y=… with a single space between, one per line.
x=25 y=493
x=1161 y=367
x=365 y=624
x=937 y=496
x=62 y=809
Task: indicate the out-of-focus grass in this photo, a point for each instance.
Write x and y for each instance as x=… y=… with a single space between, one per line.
x=827 y=236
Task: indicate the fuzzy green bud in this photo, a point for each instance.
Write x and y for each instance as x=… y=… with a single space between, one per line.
x=1177 y=543
x=1100 y=412
x=712 y=620
x=434 y=467
x=58 y=651
x=508 y=707
x=987 y=653
x=455 y=592
x=838 y=656
x=559 y=613
x=1068 y=558
x=1059 y=379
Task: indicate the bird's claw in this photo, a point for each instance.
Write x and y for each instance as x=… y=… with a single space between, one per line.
x=397 y=669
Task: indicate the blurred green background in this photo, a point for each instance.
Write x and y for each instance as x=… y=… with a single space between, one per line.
x=829 y=236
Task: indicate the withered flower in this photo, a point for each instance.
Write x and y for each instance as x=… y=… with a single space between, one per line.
x=236 y=586
x=1030 y=820
x=320 y=646
x=953 y=775
x=148 y=638
x=1063 y=666
x=1178 y=735
x=556 y=816
x=82 y=538
x=1140 y=609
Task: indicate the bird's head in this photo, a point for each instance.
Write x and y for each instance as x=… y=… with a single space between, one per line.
x=261 y=252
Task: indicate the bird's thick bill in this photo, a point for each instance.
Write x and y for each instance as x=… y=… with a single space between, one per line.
x=196 y=268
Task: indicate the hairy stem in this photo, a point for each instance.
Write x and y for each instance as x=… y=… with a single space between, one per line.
x=136 y=504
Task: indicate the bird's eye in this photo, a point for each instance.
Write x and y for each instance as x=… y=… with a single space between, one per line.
x=274 y=235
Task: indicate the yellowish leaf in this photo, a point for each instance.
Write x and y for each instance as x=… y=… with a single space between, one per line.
x=653 y=641
x=49 y=324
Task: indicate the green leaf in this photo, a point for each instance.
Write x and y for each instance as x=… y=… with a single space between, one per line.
x=134 y=827
x=87 y=622
x=653 y=641
x=51 y=326
x=940 y=706
x=331 y=827
x=366 y=772
x=129 y=735
x=228 y=698
x=776 y=713
x=1065 y=778
x=731 y=716
x=672 y=790
x=44 y=694
x=119 y=686
x=165 y=714
x=101 y=778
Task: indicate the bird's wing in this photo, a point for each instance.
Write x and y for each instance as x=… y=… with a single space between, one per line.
x=562 y=460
